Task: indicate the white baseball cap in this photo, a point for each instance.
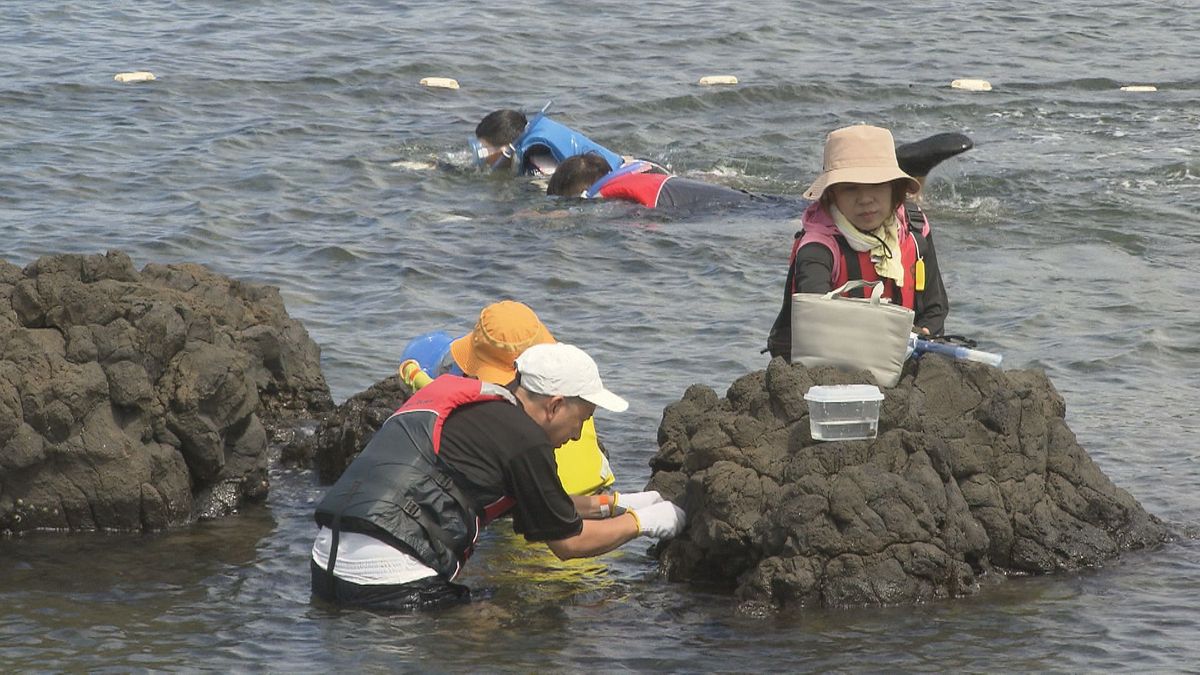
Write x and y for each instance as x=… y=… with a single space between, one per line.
x=558 y=369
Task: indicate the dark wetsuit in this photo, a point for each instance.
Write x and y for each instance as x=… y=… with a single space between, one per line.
x=656 y=190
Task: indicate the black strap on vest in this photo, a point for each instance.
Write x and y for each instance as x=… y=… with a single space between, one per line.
x=443 y=480
x=854 y=270
x=431 y=528
x=336 y=527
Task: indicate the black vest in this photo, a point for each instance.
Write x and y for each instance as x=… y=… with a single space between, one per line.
x=399 y=491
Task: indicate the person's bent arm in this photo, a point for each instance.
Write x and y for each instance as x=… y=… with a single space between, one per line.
x=657 y=518
x=932 y=304
x=814 y=269
x=596 y=537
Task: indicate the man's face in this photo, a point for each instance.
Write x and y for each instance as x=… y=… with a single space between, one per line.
x=565 y=418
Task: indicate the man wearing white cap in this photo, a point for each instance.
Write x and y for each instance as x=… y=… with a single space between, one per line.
x=403 y=518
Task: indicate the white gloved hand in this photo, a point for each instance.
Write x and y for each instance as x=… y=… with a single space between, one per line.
x=636 y=500
x=661 y=521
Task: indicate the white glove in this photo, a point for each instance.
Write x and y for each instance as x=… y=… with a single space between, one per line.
x=636 y=500
x=661 y=521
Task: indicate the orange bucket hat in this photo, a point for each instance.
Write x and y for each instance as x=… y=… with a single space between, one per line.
x=505 y=329
x=859 y=154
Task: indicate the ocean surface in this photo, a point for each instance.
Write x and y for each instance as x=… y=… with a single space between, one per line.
x=291 y=144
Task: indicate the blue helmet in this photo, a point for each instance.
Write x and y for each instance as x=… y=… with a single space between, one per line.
x=429 y=350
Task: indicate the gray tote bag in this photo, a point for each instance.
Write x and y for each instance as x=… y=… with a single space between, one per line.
x=831 y=330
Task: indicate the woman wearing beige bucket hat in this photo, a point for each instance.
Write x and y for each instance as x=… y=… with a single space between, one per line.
x=859 y=227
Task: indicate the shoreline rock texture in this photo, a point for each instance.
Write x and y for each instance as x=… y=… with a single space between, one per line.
x=344 y=432
x=974 y=473
x=141 y=400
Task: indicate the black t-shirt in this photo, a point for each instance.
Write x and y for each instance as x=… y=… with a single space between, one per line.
x=496 y=450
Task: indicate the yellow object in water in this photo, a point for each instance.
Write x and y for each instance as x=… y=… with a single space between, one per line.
x=583 y=469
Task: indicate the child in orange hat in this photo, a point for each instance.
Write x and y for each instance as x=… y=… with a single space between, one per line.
x=504 y=330
x=489 y=352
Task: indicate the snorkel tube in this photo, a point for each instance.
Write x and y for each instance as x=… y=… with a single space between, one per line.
x=410 y=373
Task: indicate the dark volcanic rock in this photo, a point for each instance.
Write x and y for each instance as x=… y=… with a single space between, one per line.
x=974 y=471
x=136 y=400
x=343 y=433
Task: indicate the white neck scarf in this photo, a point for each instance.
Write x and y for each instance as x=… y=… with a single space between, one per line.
x=883 y=243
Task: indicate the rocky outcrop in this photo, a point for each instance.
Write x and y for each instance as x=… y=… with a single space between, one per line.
x=974 y=472
x=344 y=432
x=137 y=400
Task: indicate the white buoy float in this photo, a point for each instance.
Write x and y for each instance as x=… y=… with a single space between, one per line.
x=710 y=80
x=413 y=165
x=971 y=85
x=1139 y=87
x=439 y=82
x=136 y=76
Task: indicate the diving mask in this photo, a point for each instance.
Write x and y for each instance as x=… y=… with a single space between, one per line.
x=481 y=152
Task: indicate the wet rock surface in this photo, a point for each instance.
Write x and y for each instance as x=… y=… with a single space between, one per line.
x=974 y=475
x=139 y=400
x=344 y=432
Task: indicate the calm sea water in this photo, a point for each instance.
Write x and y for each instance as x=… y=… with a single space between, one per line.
x=289 y=143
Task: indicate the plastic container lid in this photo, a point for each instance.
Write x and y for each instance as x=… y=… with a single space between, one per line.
x=843 y=393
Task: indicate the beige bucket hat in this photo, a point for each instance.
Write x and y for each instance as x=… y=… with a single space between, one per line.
x=859 y=154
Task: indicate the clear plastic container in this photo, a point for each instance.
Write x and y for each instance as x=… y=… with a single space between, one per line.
x=843 y=412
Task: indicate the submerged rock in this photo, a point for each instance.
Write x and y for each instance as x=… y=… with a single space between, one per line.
x=137 y=400
x=344 y=432
x=974 y=471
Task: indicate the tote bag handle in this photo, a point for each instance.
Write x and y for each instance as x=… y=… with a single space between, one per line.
x=876 y=291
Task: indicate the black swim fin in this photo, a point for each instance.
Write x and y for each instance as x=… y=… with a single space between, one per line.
x=919 y=157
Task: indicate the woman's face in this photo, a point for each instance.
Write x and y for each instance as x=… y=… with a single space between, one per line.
x=865 y=205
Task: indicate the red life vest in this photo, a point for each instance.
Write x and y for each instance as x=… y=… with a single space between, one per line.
x=819 y=228
x=442 y=397
x=643 y=188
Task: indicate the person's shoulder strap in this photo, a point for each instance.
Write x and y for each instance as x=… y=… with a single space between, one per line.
x=918 y=222
x=850 y=258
